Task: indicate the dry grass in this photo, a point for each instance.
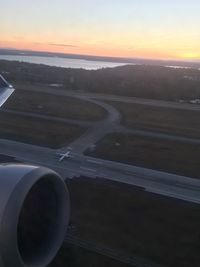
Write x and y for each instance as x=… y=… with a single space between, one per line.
x=151 y=153
x=174 y=121
x=37 y=131
x=126 y=218
x=58 y=106
x=72 y=256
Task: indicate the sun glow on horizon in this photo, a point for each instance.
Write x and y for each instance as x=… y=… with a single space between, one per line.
x=149 y=29
x=190 y=55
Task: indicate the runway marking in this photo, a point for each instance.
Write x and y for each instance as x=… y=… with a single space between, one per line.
x=93 y=172
x=173 y=195
x=87 y=169
x=94 y=161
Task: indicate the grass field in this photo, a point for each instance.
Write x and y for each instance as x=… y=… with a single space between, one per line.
x=72 y=256
x=150 y=153
x=126 y=218
x=37 y=131
x=59 y=106
x=174 y=121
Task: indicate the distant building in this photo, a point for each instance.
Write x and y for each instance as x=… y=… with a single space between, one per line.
x=195 y=101
x=56 y=85
x=191 y=78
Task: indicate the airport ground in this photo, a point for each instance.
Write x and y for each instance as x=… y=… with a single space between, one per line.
x=77 y=256
x=55 y=105
x=37 y=131
x=150 y=152
x=149 y=133
x=160 y=119
x=125 y=222
x=70 y=117
x=140 y=223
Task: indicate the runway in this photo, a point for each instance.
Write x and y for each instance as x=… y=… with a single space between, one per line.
x=46 y=117
x=118 y=98
x=171 y=185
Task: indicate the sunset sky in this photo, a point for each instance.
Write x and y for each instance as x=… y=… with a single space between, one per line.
x=167 y=29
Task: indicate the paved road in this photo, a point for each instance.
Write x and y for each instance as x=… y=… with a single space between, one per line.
x=147 y=133
x=125 y=99
x=98 y=130
x=162 y=183
x=46 y=117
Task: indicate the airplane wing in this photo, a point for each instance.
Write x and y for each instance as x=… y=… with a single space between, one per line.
x=6 y=90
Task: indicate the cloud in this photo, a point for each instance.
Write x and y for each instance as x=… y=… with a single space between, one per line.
x=63 y=45
x=54 y=44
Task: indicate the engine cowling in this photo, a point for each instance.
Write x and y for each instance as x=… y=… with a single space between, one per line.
x=34 y=215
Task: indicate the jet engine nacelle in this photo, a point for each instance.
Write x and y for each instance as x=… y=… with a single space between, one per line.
x=34 y=215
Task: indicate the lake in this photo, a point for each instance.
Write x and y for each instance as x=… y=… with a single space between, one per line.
x=63 y=62
x=73 y=63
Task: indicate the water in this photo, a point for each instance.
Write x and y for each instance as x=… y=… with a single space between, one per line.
x=178 y=67
x=72 y=63
x=63 y=62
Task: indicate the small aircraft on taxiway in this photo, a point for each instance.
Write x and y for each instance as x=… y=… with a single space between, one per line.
x=64 y=155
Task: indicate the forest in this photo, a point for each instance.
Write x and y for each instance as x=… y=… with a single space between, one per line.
x=144 y=81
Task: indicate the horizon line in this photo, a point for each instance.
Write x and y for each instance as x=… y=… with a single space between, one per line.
x=183 y=60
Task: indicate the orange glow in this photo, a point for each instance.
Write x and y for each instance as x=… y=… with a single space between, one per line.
x=113 y=46
x=144 y=29
x=190 y=55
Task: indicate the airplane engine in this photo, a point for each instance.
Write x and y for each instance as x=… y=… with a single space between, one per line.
x=34 y=215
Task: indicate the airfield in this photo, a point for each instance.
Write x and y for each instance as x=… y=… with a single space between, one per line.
x=142 y=150
x=76 y=164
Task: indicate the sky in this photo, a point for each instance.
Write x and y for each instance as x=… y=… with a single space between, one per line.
x=163 y=29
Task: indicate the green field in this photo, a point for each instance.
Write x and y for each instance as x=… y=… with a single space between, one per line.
x=127 y=218
x=153 y=153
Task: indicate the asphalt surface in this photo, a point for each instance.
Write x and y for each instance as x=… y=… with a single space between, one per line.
x=45 y=117
x=147 y=133
x=125 y=99
x=162 y=183
x=99 y=129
